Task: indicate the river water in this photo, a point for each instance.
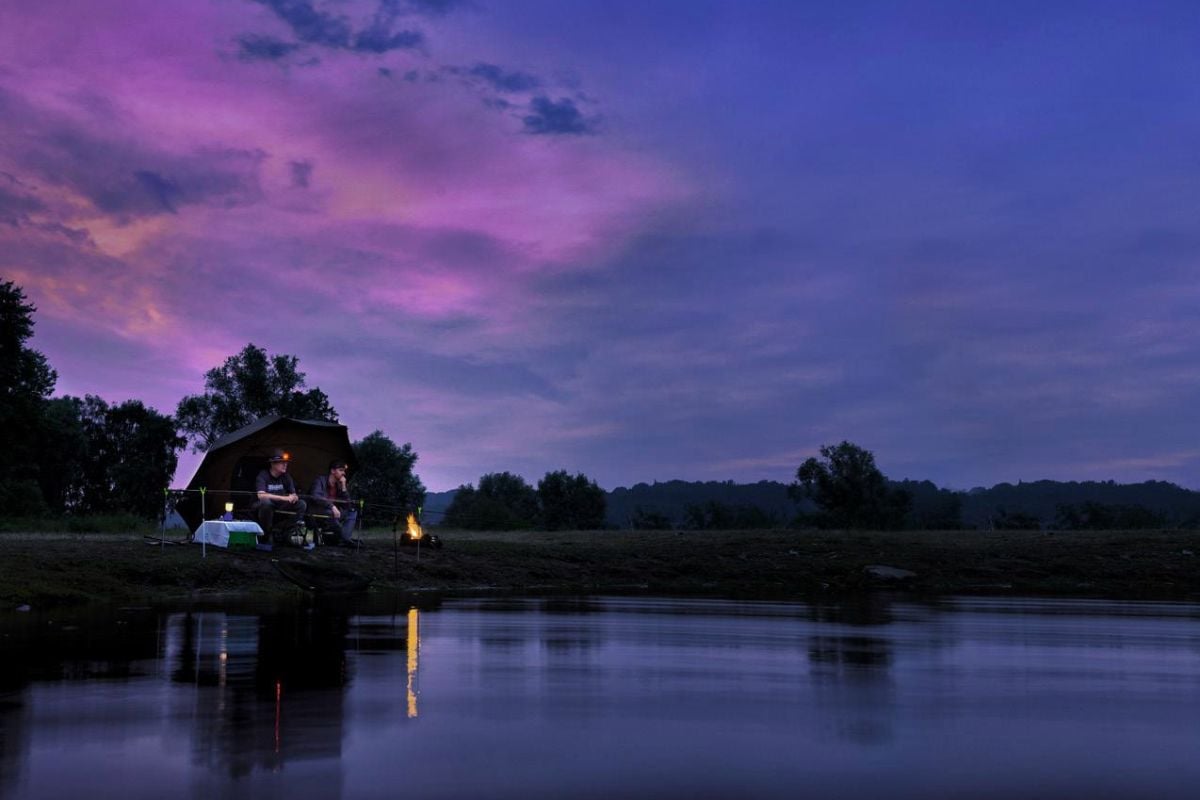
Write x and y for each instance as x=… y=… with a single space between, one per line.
x=605 y=697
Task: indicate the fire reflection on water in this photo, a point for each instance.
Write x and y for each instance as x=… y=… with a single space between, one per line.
x=414 y=649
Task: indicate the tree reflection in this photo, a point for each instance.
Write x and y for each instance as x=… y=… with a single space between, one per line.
x=270 y=686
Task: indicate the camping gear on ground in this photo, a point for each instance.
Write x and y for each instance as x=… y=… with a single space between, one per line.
x=235 y=535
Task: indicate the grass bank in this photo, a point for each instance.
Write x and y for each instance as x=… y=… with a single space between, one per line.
x=38 y=568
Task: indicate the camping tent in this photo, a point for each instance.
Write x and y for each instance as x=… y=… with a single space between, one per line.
x=233 y=461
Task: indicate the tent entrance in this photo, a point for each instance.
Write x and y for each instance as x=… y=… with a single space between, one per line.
x=242 y=481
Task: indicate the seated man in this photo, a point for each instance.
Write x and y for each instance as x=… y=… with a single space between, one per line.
x=276 y=491
x=330 y=497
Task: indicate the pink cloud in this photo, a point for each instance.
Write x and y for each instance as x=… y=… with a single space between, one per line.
x=152 y=136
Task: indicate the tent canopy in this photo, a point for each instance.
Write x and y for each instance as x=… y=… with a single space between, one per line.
x=232 y=462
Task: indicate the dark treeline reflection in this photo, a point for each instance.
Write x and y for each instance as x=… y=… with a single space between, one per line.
x=273 y=673
x=269 y=684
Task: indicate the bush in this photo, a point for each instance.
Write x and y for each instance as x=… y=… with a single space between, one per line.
x=22 y=498
x=87 y=523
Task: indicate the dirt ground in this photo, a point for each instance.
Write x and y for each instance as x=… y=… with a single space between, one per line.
x=55 y=569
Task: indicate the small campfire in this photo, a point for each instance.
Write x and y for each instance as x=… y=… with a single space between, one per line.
x=416 y=536
x=414 y=528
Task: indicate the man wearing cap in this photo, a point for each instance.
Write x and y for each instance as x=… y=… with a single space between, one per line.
x=276 y=492
x=330 y=497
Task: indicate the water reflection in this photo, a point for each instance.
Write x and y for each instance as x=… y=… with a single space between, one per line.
x=257 y=690
x=14 y=740
x=604 y=696
x=414 y=652
x=266 y=679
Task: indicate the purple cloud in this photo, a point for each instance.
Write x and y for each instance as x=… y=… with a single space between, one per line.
x=311 y=25
x=266 y=48
x=502 y=81
x=556 y=117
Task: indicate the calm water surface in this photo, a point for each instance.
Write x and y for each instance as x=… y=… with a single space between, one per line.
x=605 y=698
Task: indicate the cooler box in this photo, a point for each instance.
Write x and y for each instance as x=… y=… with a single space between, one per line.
x=238 y=534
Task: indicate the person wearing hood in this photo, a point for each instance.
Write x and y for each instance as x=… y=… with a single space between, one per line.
x=330 y=497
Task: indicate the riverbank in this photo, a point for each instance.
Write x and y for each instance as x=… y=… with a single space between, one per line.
x=40 y=569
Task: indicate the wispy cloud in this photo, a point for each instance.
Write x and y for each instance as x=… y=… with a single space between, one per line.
x=266 y=48
x=314 y=26
x=499 y=79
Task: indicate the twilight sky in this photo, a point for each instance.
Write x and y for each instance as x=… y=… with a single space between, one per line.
x=641 y=239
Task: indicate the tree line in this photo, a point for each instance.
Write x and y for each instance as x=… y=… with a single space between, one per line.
x=84 y=456
x=842 y=488
x=71 y=454
x=504 y=501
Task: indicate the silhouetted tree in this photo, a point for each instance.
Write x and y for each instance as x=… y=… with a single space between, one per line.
x=503 y=501
x=850 y=490
x=570 y=502
x=932 y=509
x=63 y=452
x=26 y=381
x=248 y=386
x=384 y=477
x=129 y=456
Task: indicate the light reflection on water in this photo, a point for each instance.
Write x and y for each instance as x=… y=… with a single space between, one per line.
x=606 y=697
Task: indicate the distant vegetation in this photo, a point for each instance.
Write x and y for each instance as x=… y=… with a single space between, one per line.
x=505 y=502
x=67 y=459
x=1044 y=505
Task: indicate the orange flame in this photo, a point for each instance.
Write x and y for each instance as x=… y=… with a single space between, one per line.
x=414 y=528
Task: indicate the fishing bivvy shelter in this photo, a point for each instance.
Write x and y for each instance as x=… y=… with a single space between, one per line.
x=232 y=463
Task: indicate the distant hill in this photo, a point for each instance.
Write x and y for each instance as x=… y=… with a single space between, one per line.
x=1042 y=499
x=435 y=506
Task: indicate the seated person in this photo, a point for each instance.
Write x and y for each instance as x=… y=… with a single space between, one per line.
x=330 y=497
x=276 y=492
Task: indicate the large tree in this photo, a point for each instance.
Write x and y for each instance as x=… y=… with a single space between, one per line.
x=502 y=502
x=385 y=480
x=63 y=454
x=249 y=385
x=130 y=453
x=26 y=381
x=24 y=373
x=850 y=490
x=570 y=502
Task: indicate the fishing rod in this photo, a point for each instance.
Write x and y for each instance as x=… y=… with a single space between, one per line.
x=377 y=509
x=367 y=510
